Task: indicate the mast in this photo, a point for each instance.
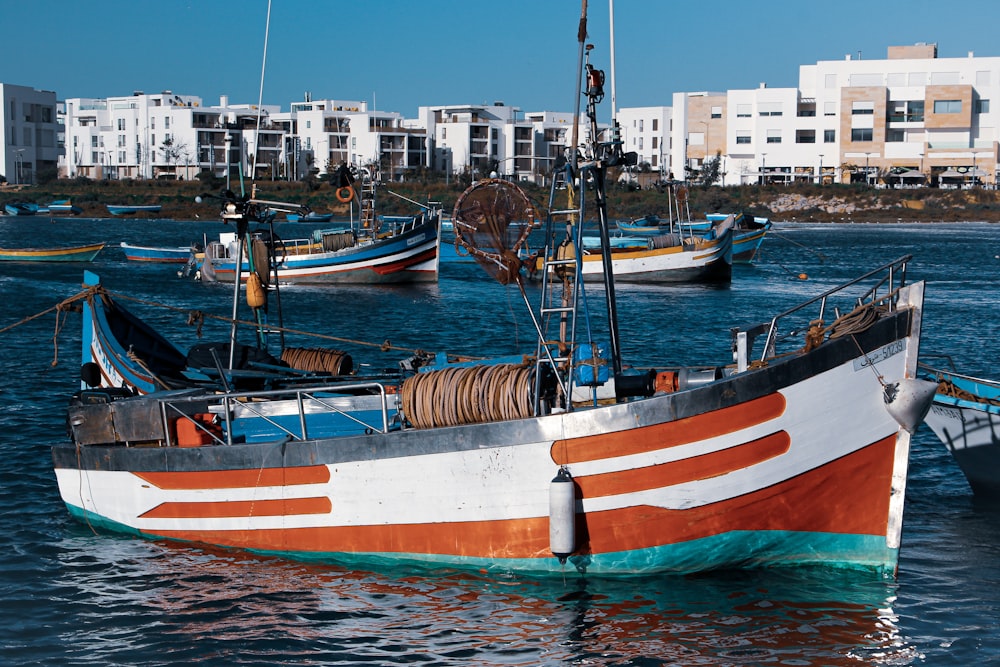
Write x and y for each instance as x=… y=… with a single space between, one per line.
x=614 y=96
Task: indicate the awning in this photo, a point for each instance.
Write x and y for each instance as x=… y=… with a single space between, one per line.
x=910 y=173
x=950 y=173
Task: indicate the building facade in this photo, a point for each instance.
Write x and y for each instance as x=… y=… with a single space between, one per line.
x=30 y=130
x=910 y=118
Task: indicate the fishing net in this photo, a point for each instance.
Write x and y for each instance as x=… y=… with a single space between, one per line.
x=492 y=220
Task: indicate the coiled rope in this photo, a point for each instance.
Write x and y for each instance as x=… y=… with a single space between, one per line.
x=318 y=359
x=467 y=395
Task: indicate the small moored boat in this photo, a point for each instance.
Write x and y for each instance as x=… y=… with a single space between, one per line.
x=132 y=209
x=21 y=208
x=965 y=416
x=158 y=254
x=64 y=207
x=83 y=253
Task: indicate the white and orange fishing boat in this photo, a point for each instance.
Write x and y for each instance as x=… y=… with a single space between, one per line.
x=793 y=452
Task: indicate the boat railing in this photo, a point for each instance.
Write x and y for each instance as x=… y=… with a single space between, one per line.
x=223 y=405
x=883 y=284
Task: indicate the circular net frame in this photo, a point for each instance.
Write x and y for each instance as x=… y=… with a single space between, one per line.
x=492 y=220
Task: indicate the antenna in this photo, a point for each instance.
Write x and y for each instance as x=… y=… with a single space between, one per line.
x=260 y=100
x=614 y=97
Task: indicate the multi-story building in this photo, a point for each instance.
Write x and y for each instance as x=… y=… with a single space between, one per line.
x=168 y=136
x=904 y=119
x=30 y=131
x=646 y=131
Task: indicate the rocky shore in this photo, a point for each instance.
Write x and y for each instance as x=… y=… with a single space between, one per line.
x=801 y=203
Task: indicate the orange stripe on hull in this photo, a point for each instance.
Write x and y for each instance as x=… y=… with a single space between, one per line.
x=402 y=265
x=691 y=469
x=237 y=479
x=669 y=434
x=814 y=501
x=240 y=508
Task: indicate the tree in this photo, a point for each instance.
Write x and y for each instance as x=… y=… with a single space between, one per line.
x=710 y=170
x=172 y=151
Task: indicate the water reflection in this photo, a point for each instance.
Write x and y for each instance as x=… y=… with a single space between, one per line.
x=122 y=600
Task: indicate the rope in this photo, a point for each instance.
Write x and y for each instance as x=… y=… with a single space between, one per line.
x=467 y=395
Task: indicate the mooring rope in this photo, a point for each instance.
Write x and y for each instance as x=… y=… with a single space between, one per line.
x=467 y=395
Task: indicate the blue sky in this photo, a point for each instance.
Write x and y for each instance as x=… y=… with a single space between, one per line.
x=400 y=54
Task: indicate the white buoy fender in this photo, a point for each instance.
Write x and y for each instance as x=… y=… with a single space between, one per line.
x=909 y=400
x=562 y=515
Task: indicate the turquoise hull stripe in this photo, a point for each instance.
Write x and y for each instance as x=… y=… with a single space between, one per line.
x=734 y=550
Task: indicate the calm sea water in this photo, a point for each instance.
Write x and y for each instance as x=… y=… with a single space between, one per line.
x=70 y=597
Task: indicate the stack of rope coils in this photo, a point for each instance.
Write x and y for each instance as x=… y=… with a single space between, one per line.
x=467 y=395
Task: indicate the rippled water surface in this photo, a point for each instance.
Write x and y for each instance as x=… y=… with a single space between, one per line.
x=71 y=597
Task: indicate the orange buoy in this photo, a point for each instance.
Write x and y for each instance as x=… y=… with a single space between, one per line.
x=255 y=292
x=803 y=276
x=345 y=194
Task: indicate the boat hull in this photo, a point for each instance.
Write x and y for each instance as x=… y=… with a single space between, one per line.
x=411 y=256
x=132 y=210
x=165 y=255
x=969 y=426
x=85 y=253
x=746 y=471
x=704 y=262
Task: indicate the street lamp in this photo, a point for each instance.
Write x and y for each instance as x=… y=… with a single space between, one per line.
x=868 y=180
x=228 y=143
x=763 y=168
x=19 y=162
x=820 y=169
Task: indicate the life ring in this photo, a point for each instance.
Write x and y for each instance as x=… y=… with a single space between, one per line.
x=345 y=194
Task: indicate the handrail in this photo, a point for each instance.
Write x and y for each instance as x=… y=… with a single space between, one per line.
x=743 y=338
x=303 y=398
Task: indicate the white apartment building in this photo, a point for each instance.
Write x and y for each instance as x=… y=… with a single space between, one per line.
x=165 y=135
x=326 y=133
x=904 y=119
x=30 y=129
x=646 y=132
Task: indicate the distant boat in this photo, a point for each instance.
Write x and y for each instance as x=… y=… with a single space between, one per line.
x=83 y=253
x=166 y=255
x=965 y=416
x=311 y=216
x=128 y=209
x=21 y=208
x=64 y=206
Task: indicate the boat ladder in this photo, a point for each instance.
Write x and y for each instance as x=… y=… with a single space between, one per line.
x=560 y=294
x=367 y=192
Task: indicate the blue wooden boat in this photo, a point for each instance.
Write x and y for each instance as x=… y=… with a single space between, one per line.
x=64 y=207
x=965 y=416
x=130 y=209
x=84 y=253
x=748 y=234
x=311 y=216
x=159 y=254
x=21 y=208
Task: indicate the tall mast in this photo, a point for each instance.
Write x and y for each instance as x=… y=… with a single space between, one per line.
x=614 y=97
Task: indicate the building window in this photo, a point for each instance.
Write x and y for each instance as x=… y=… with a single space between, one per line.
x=640 y=125
x=744 y=110
x=805 y=136
x=982 y=106
x=829 y=108
x=93 y=141
x=863 y=108
x=829 y=136
x=656 y=125
x=947 y=106
x=861 y=134
x=656 y=143
x=769 y=109
x=640 y=143
x=716 y=112
x=895 y=136
x=774 y=136
x=152 y=123
x=166 y=122
x=742 y=138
